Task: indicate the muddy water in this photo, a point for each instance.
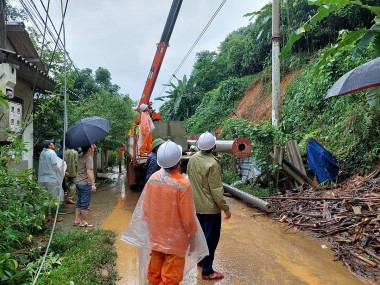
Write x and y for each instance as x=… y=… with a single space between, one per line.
x=253 y=250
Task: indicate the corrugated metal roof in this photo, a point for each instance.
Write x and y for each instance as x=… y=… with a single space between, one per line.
x=26 y=57
x=28 y=71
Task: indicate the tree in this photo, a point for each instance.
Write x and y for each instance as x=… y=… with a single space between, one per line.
x=182 y=101
x=111 y=106
x=206 y=73
x=85 y=84
x=361 y=38
x=103 y=78
x=48 y=117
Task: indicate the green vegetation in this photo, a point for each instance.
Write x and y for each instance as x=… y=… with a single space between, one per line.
x=321 y=41
x=88 y=258
x=348 y=126
x=217 y=104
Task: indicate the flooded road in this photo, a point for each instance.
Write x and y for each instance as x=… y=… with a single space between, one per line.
x=253 y=249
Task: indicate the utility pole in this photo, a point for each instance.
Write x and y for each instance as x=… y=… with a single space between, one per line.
x=2 y=24
x=275 y=63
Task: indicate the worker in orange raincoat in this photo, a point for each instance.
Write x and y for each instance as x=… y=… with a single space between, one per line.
x=146 y=129
x=164 y=225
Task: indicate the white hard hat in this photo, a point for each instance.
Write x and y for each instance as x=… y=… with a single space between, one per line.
x=206 y=141
x=143 y=107
x=169 y=154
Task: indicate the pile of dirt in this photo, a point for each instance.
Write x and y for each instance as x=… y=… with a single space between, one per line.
x=348 y=216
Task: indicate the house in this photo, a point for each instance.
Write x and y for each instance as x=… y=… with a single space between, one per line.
x=22 y=75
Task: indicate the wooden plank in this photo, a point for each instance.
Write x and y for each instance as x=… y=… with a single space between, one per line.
x=296 y=174
x=290 y=171
x=304 y=177
x=295 y=155
x=277 y=159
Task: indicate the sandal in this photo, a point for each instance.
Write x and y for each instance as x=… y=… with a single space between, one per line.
x=76 y=224
x=86 y=225
x=213 y=276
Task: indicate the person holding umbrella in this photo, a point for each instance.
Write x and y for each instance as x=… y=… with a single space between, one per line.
x=84 y=133
x=85 y=185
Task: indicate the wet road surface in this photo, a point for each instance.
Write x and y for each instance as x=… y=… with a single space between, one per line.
x=253 y=249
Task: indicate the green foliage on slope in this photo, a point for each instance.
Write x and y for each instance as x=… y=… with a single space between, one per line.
x=217 y=105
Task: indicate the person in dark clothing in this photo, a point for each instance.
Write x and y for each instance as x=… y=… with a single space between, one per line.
x=67 y=198
x=151 y=163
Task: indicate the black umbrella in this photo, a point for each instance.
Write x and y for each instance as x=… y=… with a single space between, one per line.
x=362 y=77
x=87 y=131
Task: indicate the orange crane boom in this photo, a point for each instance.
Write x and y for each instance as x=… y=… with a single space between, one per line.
x=160 y=53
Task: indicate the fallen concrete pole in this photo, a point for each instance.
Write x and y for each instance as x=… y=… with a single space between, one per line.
x=240 y=147
x=256 y=202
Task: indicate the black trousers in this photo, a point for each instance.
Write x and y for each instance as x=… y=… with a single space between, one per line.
x=211 y=225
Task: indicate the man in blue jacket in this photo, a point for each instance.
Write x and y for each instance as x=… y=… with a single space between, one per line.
x=151 y=163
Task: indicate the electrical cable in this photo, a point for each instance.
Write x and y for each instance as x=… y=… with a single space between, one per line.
x=192 y=47
x=40 y=56
x=65 y=127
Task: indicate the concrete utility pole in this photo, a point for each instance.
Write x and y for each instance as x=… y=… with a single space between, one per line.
x=2 y=24
x=275 y=63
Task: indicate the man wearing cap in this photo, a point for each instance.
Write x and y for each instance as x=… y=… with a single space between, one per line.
x=168 y=231
x=205 y=177
x=151 y=163
x=49 y=172
x=146 y=129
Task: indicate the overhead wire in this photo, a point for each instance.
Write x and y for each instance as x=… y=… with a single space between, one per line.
x=192 y=47
x=71 y=61
x=64 y=131
x=38 y=22
x=29 y=119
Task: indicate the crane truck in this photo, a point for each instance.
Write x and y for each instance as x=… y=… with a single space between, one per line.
x=135 y=169
x=175 y=130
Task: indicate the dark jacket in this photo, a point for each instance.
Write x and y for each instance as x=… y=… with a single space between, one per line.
x=151 y=165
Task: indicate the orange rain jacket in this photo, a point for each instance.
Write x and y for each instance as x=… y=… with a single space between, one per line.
x=145 y=136
x=164 y=220
x=168 y=209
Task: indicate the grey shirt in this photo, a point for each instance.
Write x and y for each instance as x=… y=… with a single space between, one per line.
x=85 y=162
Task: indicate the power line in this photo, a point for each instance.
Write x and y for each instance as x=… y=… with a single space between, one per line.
x=38 y=22
x=192 y=47
x=63 y=10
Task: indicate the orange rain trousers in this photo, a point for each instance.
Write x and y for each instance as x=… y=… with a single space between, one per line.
x=146 y=145
x=165 y=269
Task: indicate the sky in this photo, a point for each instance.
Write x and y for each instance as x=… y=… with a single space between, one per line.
x=121 y=36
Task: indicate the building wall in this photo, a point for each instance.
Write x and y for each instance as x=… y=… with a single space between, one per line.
x=24 y=92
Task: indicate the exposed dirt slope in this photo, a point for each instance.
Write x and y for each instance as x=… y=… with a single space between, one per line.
x=256 y=104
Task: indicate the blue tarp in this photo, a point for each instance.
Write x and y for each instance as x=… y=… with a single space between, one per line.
x=322 y=162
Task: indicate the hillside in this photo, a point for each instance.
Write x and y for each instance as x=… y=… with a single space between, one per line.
x=346 y=214
x=256 y=104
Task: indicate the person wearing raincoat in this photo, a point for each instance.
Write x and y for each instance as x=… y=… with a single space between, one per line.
x=164 y=225
x=146 y=129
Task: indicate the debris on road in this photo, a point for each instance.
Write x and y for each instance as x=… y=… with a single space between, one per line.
x=347 y=216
